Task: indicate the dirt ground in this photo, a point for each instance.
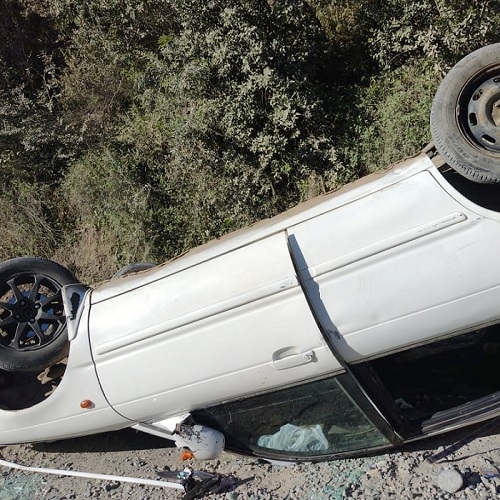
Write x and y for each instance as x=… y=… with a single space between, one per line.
x=405 y=473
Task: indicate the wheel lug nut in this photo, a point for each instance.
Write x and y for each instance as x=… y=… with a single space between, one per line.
x=17 y=316
x=23 y=302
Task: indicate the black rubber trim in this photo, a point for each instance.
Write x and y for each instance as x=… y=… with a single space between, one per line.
x=466 y=414
x=350 y=382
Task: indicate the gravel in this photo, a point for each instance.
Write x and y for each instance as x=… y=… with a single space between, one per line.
x=472 y=471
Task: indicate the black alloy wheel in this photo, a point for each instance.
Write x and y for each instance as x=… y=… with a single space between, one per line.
x=32 y=320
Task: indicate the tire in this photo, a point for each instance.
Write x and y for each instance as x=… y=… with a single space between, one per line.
x=465 y=116
x=33 y=332
x=133 y=268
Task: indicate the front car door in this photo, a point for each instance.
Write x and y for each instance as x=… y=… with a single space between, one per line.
x=213 y=325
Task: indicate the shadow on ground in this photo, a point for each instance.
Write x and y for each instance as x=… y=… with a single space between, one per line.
x=124 y=440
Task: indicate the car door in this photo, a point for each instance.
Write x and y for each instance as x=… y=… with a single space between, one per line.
x=210 y=326
x=404 y=284
x=402 y=266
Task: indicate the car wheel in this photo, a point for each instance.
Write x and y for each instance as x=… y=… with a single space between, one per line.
x=133 y=268
x=33 y=332
x=465 y=116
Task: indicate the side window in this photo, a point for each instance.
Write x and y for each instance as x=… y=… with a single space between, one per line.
x=313 y=419
x=466 y=367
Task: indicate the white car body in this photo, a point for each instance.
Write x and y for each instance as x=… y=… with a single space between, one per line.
x=393 y=261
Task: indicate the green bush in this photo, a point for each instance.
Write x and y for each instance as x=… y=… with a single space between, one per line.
x=141 y=129
x=104 y=214
x=232 y=122
x=31 y=135
x=390 y=121
x=442 y=31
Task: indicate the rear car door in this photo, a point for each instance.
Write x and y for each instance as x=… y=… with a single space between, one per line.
x=405 y=265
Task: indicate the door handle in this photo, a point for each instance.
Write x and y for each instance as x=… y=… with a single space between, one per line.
x=289 y=357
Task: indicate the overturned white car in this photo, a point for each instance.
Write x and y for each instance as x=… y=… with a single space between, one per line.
x=357 y=321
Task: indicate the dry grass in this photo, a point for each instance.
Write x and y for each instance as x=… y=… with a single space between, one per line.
x=25 y=226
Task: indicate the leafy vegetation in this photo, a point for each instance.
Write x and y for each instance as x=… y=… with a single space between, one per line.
x=134 y=130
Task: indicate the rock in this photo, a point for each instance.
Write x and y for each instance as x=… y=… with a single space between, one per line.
x=381 y=464
x=450 y=481
x=112 y=486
